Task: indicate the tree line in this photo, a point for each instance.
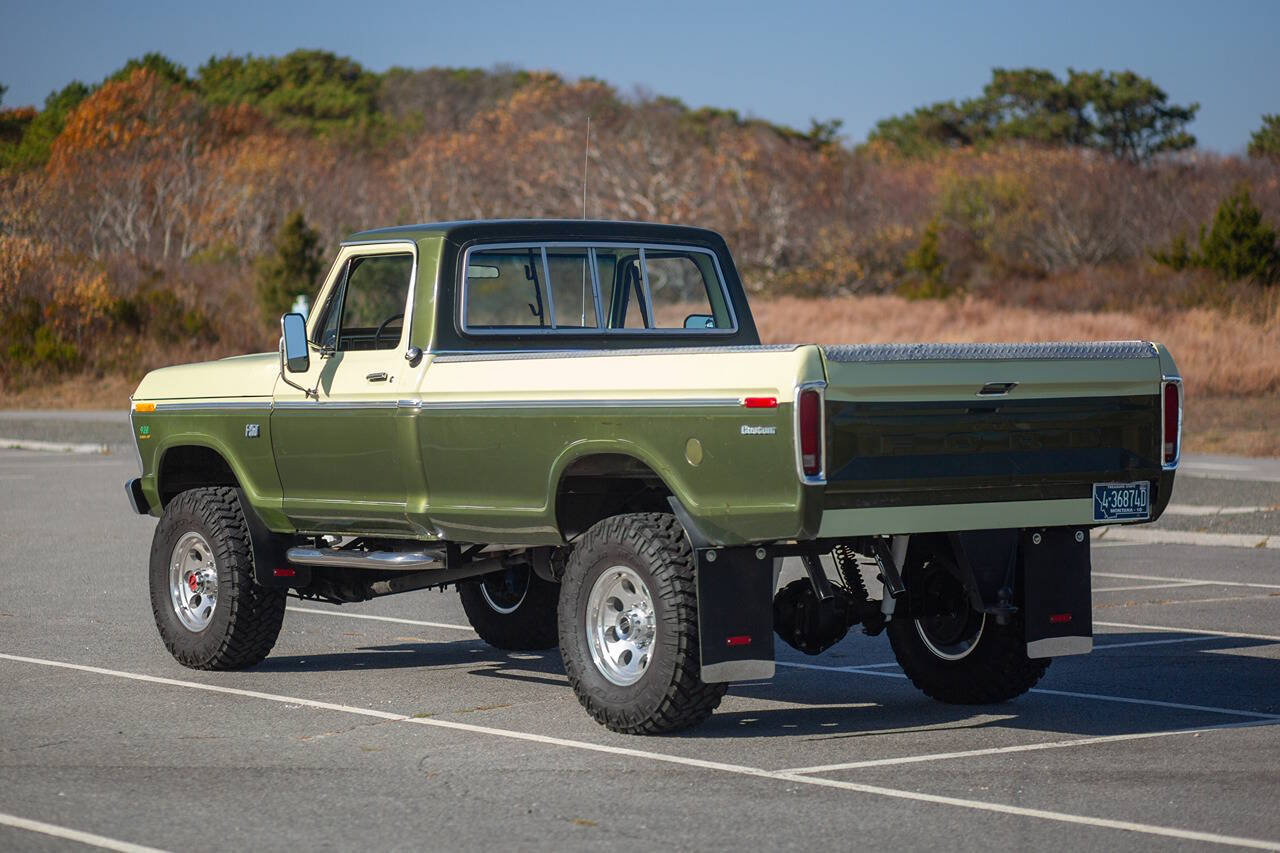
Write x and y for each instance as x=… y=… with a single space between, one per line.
x=161 y=213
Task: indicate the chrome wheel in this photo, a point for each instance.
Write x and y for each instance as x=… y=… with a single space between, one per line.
x=193 y=581
x=949 y=627
x=621 y=625
x=505 y=592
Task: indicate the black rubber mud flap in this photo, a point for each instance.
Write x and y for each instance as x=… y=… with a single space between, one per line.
x=269 y=553
x=1057 y=595
x=735 y=614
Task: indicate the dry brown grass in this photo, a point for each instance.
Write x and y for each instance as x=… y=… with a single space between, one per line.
x=1231 y=366
x=1217 y=354
x=76 y=392
x=1241 y=425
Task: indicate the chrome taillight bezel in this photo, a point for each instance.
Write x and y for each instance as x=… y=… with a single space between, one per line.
x=820 y=387
x=1165 y=383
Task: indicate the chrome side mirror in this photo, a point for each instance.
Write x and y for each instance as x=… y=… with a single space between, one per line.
x=293 y=329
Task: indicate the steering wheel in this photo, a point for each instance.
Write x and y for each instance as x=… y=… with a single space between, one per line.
x=377 y=344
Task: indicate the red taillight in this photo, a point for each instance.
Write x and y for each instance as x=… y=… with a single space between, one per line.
x=810 y=404
x=1170 y=430
x=760 y=402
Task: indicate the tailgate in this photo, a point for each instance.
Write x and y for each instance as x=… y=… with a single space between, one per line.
x=946 y=424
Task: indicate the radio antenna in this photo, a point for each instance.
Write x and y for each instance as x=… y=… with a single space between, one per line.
x=585 y=159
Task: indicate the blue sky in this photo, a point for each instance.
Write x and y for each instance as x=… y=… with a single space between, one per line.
x=785 y=62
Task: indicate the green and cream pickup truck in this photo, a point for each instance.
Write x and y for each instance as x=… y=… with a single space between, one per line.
x=576 y=424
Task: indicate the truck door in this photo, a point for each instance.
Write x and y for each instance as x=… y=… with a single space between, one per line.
x=338 y=452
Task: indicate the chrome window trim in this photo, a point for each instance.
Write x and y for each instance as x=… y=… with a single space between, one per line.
x=820 y=479
x=595 y=287
x=648 y=297
x=1176 y=381
x=601 y=328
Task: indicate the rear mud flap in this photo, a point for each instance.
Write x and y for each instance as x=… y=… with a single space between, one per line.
x=1058 y=611
x=735 y=614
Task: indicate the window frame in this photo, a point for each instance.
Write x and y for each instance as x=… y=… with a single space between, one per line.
x=335 y=288
x=601 y=328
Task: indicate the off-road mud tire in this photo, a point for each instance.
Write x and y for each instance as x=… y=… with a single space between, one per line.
x=530 y=627
x=996 y=669
x=670 y=695
x=246 y=621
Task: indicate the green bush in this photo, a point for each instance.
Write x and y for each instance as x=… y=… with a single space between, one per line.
x=926 y=269
x=33 y=348
x=1238 y=245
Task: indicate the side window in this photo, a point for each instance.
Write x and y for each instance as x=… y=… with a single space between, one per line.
x=572 y=291
x=681 y=288
x=374 y=296
x=505 y=290
x=622 y=287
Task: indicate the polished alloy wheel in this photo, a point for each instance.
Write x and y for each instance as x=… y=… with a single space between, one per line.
x=947 y=624
x=193 y=581
x=621 y=625
x=505 y=592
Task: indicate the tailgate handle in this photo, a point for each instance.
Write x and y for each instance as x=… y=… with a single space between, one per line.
x=380 y=376
x=995 y=389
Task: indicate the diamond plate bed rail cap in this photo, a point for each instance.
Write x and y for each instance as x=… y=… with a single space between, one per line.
x=996 y=352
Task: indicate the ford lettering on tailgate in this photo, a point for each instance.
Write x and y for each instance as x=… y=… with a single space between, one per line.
x=1122 y=501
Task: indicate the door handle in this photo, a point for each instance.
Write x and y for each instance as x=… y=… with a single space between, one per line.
x=380 y=376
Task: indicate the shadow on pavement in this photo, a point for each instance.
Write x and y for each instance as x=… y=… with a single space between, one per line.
x=829 y=703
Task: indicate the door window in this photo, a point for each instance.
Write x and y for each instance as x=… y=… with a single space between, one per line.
x=374 y=297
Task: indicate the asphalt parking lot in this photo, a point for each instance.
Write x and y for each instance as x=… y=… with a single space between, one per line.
x=388 y=725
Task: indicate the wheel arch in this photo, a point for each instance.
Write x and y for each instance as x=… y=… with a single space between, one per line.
x=190 y=463
x=592 y=481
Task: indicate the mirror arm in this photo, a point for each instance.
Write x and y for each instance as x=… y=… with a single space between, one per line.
x=284 y=374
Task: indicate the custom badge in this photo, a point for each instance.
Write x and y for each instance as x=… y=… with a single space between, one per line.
x=144 y=432
x=747 y=429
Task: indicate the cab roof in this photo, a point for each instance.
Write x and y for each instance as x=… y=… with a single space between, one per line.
x=460 y=231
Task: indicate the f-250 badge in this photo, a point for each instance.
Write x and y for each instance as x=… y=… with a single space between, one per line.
x=250 y=430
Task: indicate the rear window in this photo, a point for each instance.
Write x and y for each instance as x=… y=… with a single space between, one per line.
x=593 y=288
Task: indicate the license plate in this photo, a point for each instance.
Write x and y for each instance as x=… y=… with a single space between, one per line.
x=1121 y=501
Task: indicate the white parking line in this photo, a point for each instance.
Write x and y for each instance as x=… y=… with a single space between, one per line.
x=1105 y=646
x=1198 y=510
x=738 y=769
x=1212 y=581
x=1071 y=694
x=1160 y=536
x=1236 y=634
x=370 y=616
x=87 y=838
x=1029 y=747
x=1150 y=586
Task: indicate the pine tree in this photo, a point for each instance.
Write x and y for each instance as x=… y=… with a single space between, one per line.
x=291 y=268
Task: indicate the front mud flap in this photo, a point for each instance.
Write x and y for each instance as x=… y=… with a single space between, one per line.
x=1058 y=614
x=735 y=614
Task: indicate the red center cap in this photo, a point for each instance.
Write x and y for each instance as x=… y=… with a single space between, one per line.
x=192 y=583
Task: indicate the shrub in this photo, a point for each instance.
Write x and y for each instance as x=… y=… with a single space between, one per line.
x=1237 y=245
x=926 y=269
